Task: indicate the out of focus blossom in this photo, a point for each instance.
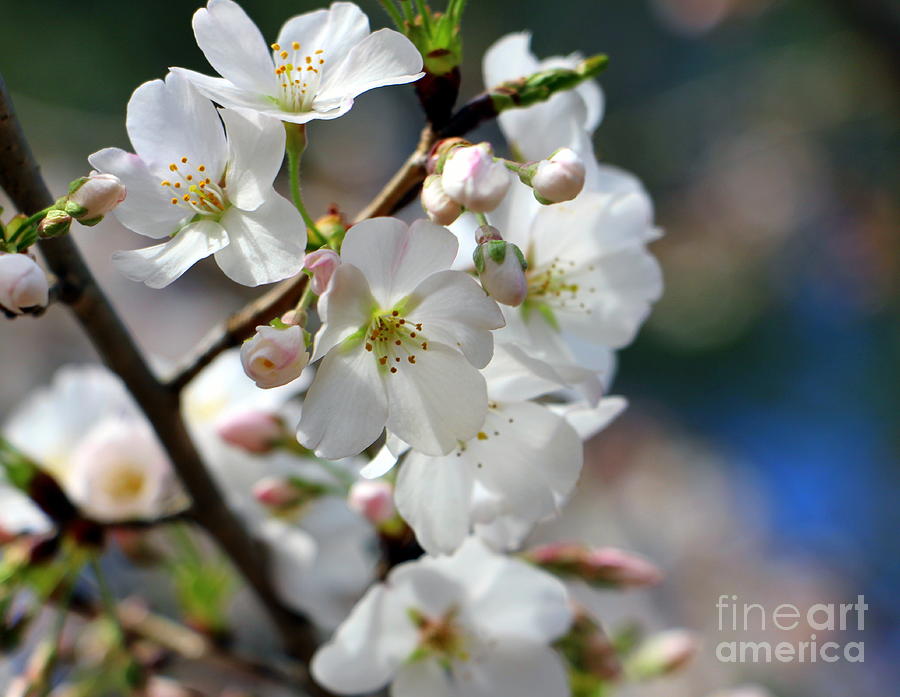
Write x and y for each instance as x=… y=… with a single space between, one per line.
x=373 y=500
x=464 y=624
x=662 y=654
x=605 y=566
x=473 y=178
x=255 y=431
x=23 y=284
x=321 y=61
x=274 y=356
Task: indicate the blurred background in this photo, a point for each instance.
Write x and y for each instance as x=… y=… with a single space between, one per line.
x=759 y=457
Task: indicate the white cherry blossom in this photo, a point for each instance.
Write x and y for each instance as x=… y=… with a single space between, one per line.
x=402 y=339
x=321 y=61
x=470 y=625
x=206 y=189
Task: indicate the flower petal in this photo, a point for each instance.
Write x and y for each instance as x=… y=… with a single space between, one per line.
x=265 y=245
x=333 y=31
x=161 y=264
x=345 y=308
x=223 y=92
x=455 y=310
x=395 y=258
x=384 y=57
x=510 y=57
x=436 y=401
x=513 y=668
x=234 y=46
x=147 y=209
x=588 y=421
x=423 y=678
x=170 y=120
x=346 y=408
x=434 y=495
x=256 y=151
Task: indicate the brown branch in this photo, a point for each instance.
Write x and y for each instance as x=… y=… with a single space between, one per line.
x=21 y=179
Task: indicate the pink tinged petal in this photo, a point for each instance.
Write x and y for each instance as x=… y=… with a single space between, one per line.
x=528 y=457
x=346 y=408
x=256 y=151
x=384 y=57
x=170 y=120
x=434 y=495
x=425 y=677
x=395 y=257
x=161 y=264
x=148 y=208
x=234 y=46
x=508 y=598
x=345 y=308
x=368 y=647
x=436 y=401
x=455 y=310
x=512 y=668
x=266 y=245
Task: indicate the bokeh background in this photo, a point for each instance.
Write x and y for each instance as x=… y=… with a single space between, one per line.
x=760 y=454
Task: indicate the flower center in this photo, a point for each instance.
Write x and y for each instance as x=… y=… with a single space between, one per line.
x=439 y=637
x=299 y=74
x=554 y=287
x=193 y=190
x=124 y=482
x=394 y=341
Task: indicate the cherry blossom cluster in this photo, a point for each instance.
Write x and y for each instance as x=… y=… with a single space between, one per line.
x=435 y=380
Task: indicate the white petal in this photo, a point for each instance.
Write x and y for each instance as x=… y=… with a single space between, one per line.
x=507 y=597
x=510 y=57
x=19 y=515
x=394 y=258
x=161 y=264
x=454 y=309
x=345 y=308
x=434 y=495
x=513 y=668
x=334 y=31
x=346 y=408
x=589 y=421
x=147 y=208
x=170 y=120
x=436 y=402
x=223 y=92
x=367 y=649
x=384 y=57
x=421 y=678
x=265 y=245
x=256 y=150
x=528 y=457
x=234 y=46
x=513 y=375
x=379 y=465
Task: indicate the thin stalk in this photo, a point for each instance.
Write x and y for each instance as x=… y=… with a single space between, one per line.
x=425 y=15
x=108 y=600
x=406 y=5
x=482 y=218
x=295 y=144
x=393 y=12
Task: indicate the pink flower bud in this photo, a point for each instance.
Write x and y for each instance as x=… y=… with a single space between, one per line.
x=98 y=195
x=274 y=357
x=472 y=177
x=277 y=492
x=322 y=264
x=373 y=500
x=253 y=431
x=441 y=209
x=23 y=284
x=559 y=178
x=501 y=268
x=604 y=566
x=663 y=653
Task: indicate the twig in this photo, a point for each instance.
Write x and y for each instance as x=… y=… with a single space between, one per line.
x=21 y=179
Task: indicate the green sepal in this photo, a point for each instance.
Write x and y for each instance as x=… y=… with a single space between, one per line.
x=478 y=258
x=90 y=222
x=496 y=250
x=74 y=209
x=520 y=256
x=76 y=184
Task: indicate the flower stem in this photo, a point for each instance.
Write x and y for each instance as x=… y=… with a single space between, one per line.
x=108 y=600
x=295 y=144
x=482 y=219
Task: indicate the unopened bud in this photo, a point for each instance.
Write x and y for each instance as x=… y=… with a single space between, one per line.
x=373 y=500
x=321 y=264
x=501 y=268
x=472 y=177
x=274 y=357
x=441 y=209
x=93 y=196
x=663 y=654
x=603 y=566
x=332 y=227
x=23 y=284
x=439 y=153
x=286 y=493
x=252 y=431
x=55 y=223
x=559 y=178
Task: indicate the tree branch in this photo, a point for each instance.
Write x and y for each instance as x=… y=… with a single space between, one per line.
x=21 y=179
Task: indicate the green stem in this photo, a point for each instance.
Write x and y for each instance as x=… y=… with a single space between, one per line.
x=482 y=218
x=108 y=600
x=393 y=12
x=295 y=144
